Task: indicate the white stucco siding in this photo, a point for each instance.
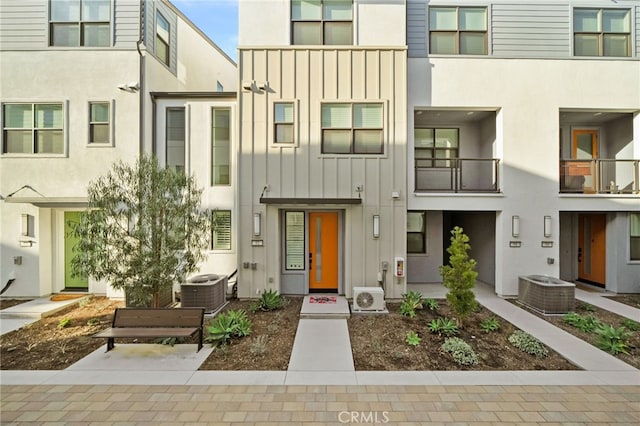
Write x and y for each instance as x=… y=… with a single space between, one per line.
x=529 y=95
x=309 y=77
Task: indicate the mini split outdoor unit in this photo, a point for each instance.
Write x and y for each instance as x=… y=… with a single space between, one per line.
x=368 y=299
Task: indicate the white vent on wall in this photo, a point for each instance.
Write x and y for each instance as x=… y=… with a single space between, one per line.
x=368 y=299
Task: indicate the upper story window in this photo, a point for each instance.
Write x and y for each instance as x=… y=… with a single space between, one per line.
x=283 y=128
x=317 y=22
x=221 y=146
x=162 y=38
x=99 y=123
x=601 y=32
x=352 y=128
x=175 y=135
x=435 y=147
x=458 y=30
x=80 y=23
x=30 y=128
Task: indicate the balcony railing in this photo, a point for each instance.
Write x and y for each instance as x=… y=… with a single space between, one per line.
x=599 y=176
x=457 y=175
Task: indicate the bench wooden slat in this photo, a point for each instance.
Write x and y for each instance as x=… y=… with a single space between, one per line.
x=154 y=322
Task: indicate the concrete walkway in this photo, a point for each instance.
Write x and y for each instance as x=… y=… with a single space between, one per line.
x=160 y=384
x=25 y=313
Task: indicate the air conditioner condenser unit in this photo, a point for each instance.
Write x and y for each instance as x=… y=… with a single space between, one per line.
x=368 y=299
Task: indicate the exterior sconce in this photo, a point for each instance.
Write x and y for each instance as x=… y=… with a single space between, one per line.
x=376 y=226
x=547 y=226
x=256 y=224
x=515 y=226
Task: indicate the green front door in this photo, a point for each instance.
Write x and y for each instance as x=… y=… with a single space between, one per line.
x=70 y=282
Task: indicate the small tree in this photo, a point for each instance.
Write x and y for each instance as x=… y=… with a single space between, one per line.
x=459 y=276
x=144 y=230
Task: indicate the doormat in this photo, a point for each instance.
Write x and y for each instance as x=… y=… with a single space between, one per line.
x=63 y=297
x=322 y=299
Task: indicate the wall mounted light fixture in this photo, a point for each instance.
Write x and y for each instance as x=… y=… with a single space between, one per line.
x=515 y=226
x=376 y=226
x=547 y=226
x=256 y=224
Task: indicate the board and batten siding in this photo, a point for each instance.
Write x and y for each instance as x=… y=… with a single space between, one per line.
x=531 y=30
x=24 y=24
x=637 y=55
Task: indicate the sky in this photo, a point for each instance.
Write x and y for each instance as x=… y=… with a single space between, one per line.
x=218 y=19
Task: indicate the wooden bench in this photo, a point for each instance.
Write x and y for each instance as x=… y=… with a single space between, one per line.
x=154 y=323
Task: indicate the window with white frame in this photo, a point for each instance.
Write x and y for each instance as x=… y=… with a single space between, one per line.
x=352 y=128
x=601 y=32
x=175 y=135
x=416 y=232
x=221 y=146
x=80 y=23
x=435 y=147
x=283 y=128
x=33 y=128
x=634 y=236
x=163 y=30
x=458 y=30
x=221 y=230
x=322 y=22
x=99 y=123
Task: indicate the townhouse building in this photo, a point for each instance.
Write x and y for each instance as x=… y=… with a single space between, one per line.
x=524 y=129
x=322 y=145
x=75 y=93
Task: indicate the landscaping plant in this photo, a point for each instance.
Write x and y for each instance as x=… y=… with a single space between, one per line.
x=490 y=324
x=461 y=351
x=612 y=339
x=411 y=301
x=413 y=339
x=459 y=276
x=228 y=325
x=528 y=344
x=586 y=324
x=631 y=324
x=269 y=300
x=143 y=231
x=430 y=304
x=443 y=326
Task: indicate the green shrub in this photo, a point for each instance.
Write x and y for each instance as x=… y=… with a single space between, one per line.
x=431 y=304
x=413 y=339
x=443 y=326
x=490 y=324
x=228 y=325
x=528 y=344
x=64 y=322
x=269 y=300
x=612 y=339
x=93 y=321
x=461 y=351
x=586 y=324
x=630 y=324
x=411 y=301
x=587 y=307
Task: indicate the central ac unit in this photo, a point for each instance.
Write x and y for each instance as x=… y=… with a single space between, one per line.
x=368 y=299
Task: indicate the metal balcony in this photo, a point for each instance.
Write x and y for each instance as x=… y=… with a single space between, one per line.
x=599 y=176
x=466 y=175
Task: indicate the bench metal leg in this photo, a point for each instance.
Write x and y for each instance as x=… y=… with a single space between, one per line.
x=110 y=344
x=199 y=340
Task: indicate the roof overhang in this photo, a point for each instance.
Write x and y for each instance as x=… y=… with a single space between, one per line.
x=50 y=202
x=311 y=201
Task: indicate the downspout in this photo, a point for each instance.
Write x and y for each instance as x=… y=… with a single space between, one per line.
x=141 y=77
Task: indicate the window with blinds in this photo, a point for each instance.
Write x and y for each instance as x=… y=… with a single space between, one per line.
x=33 y=128
x=80 y=23
x=416 y=232
x=294 y=241
x=601 y=32
x=175 y=134
x=221 y=230
x=322 y=22
x=436 y=147
x=163 y=29
x=352 y=128
x=458 y=30
x=221 y=146
x=283 y=128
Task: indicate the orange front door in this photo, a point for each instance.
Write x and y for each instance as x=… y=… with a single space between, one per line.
x=592 y=248
x=323 y=251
